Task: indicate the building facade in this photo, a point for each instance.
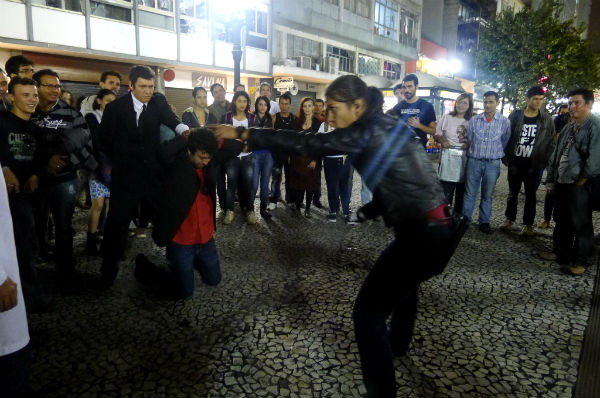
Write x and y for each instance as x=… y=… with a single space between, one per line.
x=81 y=38
x=316 y=41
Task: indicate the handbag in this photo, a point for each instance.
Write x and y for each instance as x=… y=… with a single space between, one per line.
x=453 y=164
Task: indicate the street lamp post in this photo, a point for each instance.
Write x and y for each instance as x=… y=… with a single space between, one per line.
x=237 y=24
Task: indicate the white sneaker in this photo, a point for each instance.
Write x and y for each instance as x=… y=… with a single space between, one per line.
x=272 y=206
x=228 y=217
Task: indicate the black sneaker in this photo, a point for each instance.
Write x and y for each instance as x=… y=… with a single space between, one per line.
x=485 y=228
x=317 y=204
x=350 y=219
x=332 y=217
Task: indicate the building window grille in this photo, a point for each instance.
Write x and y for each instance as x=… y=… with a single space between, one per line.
x=358 y=7
x=368 y=65
x=112 y=9
x=69 y=5
x=386 y=14
x=408 y=28
x=194 y=17
x=391 y=70
x=346 y=58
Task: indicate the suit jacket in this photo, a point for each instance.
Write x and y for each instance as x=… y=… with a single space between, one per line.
x=181 y=185
x=133 y=148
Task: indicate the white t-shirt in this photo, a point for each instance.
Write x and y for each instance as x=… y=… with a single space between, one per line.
x=244 y=123
x=453 y=128
x=274 y=108
x=329 y=130
x=14 y=333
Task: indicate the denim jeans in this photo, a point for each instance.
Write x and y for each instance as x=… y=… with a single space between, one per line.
x=338 y=176
x=59 y=199
x=573 y=236
x=240 y=173
x=517 y=176
x=484 y=173
x=184 y=258
x=263 y=165
x=365 y=194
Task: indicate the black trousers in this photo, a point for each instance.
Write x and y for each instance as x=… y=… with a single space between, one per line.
x=391 y=288
x=517 y=176
x=15 y=370
x=123 y=208
x=548 y=205
x=573 y=236
x=455 y=194
x=22 y=213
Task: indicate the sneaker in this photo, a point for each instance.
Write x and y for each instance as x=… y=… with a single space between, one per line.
x=317 y=204
x=485 y=228
x=548 y=256
x=574 y=270
x=307 y=213
x=265 y=214
x=544 y=225
x=228 y=217
x=349 y=219
x=332 y=217
x=141 y=233
x=272 y=206
x=250 y=218
x=527 y=231
x=507 y=224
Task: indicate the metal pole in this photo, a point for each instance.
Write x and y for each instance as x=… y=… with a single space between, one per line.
x=237 y=50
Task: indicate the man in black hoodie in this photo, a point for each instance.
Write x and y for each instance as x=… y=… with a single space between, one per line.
x=185 y=220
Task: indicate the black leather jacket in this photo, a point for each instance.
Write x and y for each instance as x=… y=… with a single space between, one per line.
x=388 y=156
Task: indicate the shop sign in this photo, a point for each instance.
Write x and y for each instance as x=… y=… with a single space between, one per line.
x=449 y=94
x=204 y=80
x=284 y=83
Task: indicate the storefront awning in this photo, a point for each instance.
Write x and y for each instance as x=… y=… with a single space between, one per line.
x=429 y=81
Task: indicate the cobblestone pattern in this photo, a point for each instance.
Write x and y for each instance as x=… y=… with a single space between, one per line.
x=498 y=322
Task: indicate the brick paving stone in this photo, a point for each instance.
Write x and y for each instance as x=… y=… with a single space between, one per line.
x=498 y=322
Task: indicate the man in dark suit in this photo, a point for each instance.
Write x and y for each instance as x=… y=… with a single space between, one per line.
x=130 y=138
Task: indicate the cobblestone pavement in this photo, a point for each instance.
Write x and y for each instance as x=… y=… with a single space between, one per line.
x=498 y=322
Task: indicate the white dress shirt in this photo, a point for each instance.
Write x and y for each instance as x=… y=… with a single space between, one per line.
x=138 y=107
x=274 y=108
x=14 y=333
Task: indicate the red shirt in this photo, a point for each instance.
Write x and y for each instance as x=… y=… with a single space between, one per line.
x=199 y=225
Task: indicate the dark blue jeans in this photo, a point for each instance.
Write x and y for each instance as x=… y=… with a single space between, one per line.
x=184 y=258
x=59 y=199
x=338 y=176
x=240 y=173
x=263 y=165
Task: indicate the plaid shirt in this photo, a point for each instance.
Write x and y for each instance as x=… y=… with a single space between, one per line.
x=487 y=140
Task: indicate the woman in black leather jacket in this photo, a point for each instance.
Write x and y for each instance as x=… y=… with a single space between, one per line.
x=409 y=197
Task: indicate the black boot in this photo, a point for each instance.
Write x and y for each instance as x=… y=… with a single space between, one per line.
x=264 y=212
x=91 y=249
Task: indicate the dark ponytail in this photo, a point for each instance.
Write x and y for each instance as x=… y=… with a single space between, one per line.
x=349 y=88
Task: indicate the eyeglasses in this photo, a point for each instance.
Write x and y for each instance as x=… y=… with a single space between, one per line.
x=55 y=86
